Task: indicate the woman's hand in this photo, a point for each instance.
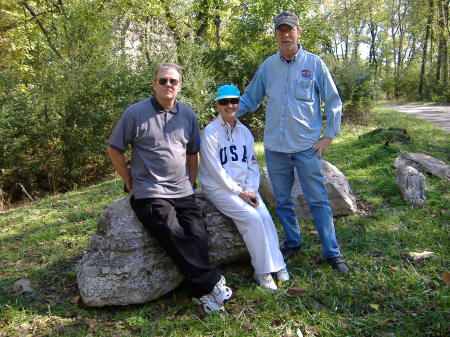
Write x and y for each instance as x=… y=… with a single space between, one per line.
x=250 y=198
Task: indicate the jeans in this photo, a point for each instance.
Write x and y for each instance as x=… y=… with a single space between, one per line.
x=280 y=167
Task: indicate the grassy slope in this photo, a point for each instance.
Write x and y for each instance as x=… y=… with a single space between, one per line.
x=385 y=295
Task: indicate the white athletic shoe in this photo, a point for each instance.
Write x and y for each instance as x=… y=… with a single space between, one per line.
x=283 y=275
x=209 y=303
x=265 y=281
x=221 y=292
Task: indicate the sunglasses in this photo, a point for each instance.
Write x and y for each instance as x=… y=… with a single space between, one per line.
x=228 y=101
x=163 y=81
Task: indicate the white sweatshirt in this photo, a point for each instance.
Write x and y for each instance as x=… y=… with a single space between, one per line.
x=227 y=158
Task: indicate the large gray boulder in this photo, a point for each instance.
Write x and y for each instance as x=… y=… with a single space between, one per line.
x=124 y=265
x=424 y=162
x=412 y=184
x=341 y=197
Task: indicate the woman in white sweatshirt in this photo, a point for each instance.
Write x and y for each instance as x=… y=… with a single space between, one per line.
x=229 y=175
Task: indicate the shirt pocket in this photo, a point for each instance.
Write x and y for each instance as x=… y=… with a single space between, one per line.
x=304 y=90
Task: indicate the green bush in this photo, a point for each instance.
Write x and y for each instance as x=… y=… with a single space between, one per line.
x=358 y=90
x=54 y=132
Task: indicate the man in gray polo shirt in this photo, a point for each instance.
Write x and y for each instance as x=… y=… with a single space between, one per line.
x=165 y=141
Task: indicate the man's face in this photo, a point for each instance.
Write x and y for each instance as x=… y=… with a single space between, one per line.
x=167 y=91
x=287 y=37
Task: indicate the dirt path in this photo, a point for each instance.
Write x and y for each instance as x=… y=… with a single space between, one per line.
x=437 y=114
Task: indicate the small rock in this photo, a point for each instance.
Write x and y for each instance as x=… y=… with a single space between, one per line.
x=22 y=286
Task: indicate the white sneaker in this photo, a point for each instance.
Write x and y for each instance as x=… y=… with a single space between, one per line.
x=265 y=281
x=283 y=275
x=221 y=292
x=209 y=303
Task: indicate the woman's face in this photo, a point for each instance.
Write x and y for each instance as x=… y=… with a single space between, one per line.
x=228 y=107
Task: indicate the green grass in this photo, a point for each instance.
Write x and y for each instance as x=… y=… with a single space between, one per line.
x=384 y=295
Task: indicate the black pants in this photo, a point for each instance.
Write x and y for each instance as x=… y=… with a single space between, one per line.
x=177 y=225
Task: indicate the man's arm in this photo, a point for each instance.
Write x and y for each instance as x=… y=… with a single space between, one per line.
x=333 y=104
x=120 y=164
x=192 y=167
x=253 y=93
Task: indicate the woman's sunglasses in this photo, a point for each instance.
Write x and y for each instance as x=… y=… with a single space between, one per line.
x=228 y=101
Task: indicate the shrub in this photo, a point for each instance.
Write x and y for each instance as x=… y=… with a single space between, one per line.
x=358 y=90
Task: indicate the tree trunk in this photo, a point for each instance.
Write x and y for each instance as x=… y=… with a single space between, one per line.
x=171 y=23
x=425 y=47
x=441 y=44
x=203 y=18
x=217 y=22
x=373 y=29
x=445 y=51
x=442 y=58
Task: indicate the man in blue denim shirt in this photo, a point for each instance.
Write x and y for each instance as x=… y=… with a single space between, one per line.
x=296 y=82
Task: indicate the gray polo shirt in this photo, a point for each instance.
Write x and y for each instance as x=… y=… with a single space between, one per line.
x=160 y=140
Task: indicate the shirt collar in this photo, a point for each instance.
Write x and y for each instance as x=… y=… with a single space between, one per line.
x=222 y=122
x=160 y=109
x=300 y=49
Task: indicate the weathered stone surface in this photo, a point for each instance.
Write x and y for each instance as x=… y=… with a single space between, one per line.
x=412 y=184
x=423 y=162
x=124 y=265
x=341 y=197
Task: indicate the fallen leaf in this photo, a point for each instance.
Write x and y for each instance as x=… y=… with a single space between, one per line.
x=69 y=314
x=277 y=322
x=22 y=286
x=288 y=333
x=394 y=268
x=159 y=306
x=62 y=231
x=75 y=299
x=375 y=306
x=49 y=299
x=296 y=291
x=21 y=262
x=92 y=323
x=247 y=326
x=418 y=256
x=445 y=276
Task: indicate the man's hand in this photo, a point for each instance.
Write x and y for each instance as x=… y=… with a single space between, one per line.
x=250 y=198
x=129 y=185
x=322 y=145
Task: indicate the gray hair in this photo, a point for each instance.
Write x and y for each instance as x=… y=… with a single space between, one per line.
x=164 y=66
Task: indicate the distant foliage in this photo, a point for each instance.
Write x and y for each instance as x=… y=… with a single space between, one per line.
x=358 y=90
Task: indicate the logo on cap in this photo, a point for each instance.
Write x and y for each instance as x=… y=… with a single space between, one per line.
x=286 y=18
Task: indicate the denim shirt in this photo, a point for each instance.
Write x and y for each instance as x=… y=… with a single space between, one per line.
x=294 y=93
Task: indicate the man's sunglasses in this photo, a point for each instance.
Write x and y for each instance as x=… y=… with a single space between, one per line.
x=228 y=101
x=163 y=81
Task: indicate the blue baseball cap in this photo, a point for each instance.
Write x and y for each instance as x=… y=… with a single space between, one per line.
x=227 y=91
